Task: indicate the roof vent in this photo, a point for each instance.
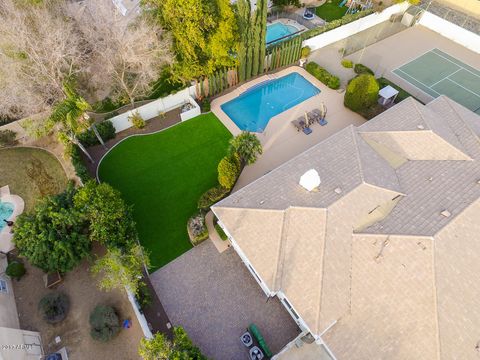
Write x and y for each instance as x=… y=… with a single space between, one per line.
x=262 y=202
x=338 y=190
x=446 y=213
x=310 y=180
x=420 y=127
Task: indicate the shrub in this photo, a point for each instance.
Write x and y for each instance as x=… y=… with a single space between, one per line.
x=105 y=129
x=136 y=119
x=362 y=69
x=144 y=296
x=333 y=82
x=361 y=93
x=104 y=323
x=305 y=52
x=220 y=232
x=15 y=270
x=211 y=196
x=7 y=138
x=197 y=229
x=347 y=63
x=205 y=105
x=54 y=307
x=77 y=162
x=228 y=171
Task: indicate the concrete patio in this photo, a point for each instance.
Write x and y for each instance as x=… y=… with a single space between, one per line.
x=214 y=297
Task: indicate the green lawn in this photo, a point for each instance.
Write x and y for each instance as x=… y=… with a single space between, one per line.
x=31 y=173
x=163 y=175
x=331 y=11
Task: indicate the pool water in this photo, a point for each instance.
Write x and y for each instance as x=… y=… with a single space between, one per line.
x=6 y=210
x=278 y=30
x=253 y=109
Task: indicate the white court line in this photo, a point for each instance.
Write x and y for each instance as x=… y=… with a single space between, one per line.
x=428 y=87
x=477 y=95
x=461 y=67
x=446 y=77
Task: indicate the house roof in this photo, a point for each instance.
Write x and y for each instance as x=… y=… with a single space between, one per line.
x=376 y=256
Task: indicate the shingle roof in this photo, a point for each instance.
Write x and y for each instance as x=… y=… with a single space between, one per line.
x=391 y=288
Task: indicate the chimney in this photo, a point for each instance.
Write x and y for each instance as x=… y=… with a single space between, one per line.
x=310 y=180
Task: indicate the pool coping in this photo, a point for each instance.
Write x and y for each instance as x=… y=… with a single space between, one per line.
x=6 y=236
x=230 y=124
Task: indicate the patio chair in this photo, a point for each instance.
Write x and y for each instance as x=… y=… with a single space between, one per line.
x=320 y=118
x=299 y=124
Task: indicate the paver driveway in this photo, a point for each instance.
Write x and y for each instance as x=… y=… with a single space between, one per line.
x=214 y=297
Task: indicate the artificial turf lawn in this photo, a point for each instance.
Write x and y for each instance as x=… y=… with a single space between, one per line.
x=331 y=11
x=163 y=175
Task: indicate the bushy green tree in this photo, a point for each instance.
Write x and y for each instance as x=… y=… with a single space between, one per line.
x=109 y=219
x=361 y=92
x=228 y=171
x=247 y=147
x=54 y=237
x=161 y=348
x=121 y=269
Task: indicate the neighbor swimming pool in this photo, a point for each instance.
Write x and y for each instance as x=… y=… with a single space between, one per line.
x=6 y=210
x=278 y=30
x=253 y=109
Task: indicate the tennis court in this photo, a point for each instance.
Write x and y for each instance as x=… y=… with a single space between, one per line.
x=437 y=73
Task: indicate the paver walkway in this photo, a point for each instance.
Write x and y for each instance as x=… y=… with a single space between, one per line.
x=215 y=298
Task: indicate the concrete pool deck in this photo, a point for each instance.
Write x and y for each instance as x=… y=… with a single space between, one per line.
x=280 y=139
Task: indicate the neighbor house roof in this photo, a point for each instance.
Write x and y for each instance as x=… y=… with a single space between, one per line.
x=375 y=258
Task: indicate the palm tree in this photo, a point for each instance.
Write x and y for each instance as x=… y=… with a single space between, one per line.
x=70 y=118
x=247 y=146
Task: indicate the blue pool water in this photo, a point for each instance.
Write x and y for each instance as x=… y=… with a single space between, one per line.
x=6 y=210
x=278 y=30
x=253 y=109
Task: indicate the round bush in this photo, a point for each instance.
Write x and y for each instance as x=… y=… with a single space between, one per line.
x=54 y=307
x=347 y=63
x=361 y=93
x=104 y=323
x=228 y=171
x=305 y=52
x=15 y=270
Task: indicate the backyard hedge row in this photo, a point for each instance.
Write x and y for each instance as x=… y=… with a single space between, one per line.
x=332 y=81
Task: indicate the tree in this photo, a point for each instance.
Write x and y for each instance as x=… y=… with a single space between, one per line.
x=204 y=33
x=121 y=269
x=247 y=146
x=161 y=348
x=127 y=57
x=54 y=236
x=69 y=118
x=110 y=219
x=40 y=48
x=361 y=92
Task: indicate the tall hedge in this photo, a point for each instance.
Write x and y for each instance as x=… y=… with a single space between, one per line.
x=228 y=171
x=361 y=93
x=105 y=129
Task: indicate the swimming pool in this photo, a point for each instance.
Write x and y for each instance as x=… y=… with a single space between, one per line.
x=6 y=210
x=253 y=109
x=278 y=30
